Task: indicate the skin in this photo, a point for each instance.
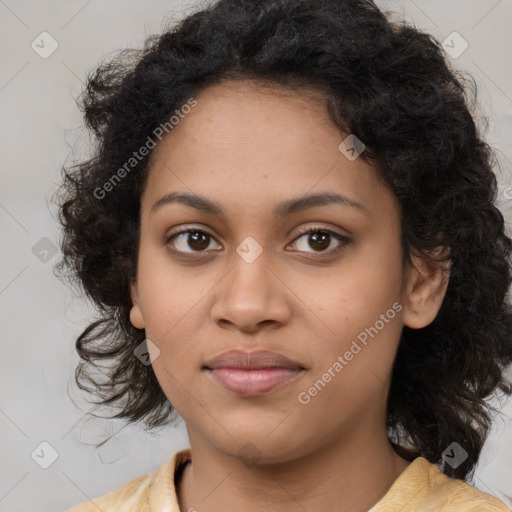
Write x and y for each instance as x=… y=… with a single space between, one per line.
x=248 y=147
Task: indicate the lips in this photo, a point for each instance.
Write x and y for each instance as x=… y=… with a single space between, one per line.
x=252 y=373
x=257 y=360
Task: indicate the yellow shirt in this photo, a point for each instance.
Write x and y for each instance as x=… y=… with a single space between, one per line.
x=422 y=487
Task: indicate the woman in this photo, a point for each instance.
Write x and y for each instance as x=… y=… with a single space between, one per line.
x=289 y=228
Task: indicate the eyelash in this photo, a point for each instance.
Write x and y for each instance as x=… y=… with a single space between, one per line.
x=306 y=231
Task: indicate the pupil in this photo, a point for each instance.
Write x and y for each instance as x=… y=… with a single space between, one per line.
x=199 y=244
x=323 y=236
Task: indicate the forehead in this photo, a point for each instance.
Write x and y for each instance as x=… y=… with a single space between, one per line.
x=250 y=113
x=247 y=142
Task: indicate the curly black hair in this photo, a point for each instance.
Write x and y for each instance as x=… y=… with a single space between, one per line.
x=387 y=83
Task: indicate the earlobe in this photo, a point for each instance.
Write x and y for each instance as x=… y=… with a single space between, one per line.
x=426 y=289
x=136 y=318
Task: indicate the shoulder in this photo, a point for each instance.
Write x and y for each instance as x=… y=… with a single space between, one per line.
x=423 y=487
x=141 y=493
x=464 y=497
x=125 y=498
x=470 y=499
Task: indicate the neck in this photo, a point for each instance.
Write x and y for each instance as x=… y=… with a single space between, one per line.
x=352 y=473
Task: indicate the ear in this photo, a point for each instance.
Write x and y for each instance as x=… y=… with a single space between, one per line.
x=425 y=290
x=136 y=318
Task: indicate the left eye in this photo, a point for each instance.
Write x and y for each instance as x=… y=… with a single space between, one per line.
x=199 y=241
x=322 y=239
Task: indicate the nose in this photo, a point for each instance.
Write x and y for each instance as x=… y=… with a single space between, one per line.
x=251 y=296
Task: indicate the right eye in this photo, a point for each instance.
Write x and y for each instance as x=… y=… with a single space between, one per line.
x=190 y=241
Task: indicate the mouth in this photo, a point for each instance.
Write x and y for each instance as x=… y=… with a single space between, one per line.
x=253 y=382
x=252 y=373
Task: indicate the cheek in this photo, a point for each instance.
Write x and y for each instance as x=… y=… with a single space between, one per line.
x=352 y=373
x=370 y=282
x=358 y=316
x=168 y=292
x=173 y=329
x=169 y=300
x=353 y=296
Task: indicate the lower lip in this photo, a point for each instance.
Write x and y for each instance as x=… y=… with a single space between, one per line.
x=253 y=382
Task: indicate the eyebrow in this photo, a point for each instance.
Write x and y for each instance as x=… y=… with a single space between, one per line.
x=281 y=210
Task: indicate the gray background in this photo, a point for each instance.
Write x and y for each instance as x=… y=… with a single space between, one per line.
x=41 y=318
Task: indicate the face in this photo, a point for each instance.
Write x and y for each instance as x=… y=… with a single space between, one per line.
x=242 y=274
